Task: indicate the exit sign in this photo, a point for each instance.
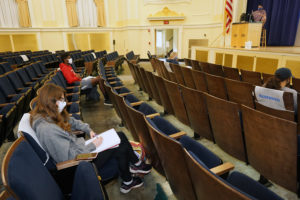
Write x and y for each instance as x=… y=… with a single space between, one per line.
x=166 y=22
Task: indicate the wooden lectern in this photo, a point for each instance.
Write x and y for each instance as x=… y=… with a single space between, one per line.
x=244 y=32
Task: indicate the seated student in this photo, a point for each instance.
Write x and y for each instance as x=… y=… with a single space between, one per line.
x=72 y=77
x=52 y=124
x=280 y=81
x=173 y=58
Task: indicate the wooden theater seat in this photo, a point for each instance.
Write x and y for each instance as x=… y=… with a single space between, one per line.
x=153 y=88
x=240 y=92
x=178 y=73
x=205 y=67
x=272 y=153
x=284 y=114
x=188 y=77
x=199 y=80
x=216 y=86
x=231 y=73
x=195 y=65
x=146 y=82
x=251 y=77
x=176 y=101
x=226 y=125
x=197 y=111
x=216 y=70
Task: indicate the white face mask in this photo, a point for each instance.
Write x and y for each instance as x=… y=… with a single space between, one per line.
x=70 y=60
x=61 y=106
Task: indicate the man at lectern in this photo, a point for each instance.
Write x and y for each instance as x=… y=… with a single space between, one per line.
x=260 y=15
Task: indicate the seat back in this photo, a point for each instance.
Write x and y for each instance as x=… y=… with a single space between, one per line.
x=216 y=70
x=165 y=99
x=187 y=62
x=207 y=185
x=226 y=125
x=199 y=80
x=284 y=114
x=22 y=164
x=172 y=157
x=265 y=77
x=153 y=88
x=164 y=70
x=195 y=65
x=138 y=76
x=137 y=119
x=178 y=74
x=146 y=82
x=6 y=87
x=131 y=70
x=196 y=108
x=176 y=101
x=188 y=77
x=142 y=82
x=6 y=67
x=240 y=92
x=296 y=84
x=275 y=99
x=231 y=73
x=216 y=86
x=251 y=77
x=272 y=153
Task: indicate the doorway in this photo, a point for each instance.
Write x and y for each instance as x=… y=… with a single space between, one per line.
x=166 y=42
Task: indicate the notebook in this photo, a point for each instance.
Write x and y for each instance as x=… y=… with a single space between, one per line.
x=110 y=140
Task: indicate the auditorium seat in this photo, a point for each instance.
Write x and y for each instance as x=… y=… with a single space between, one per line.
x=165 y=99
x=188 y=62
x=225 y=120
x=5 y=195
x=163 y=69
x=142 y=82
x=208 y=185
x=240 y=92
x=196 y=108
x=216 y=70
x=284 y=114
x=195 y=65
x=137 y=119
x=22 y=164
x=6 y=67
x=146 y=83
x=133 y=74
x=251 y=77
x=132 y=57
x=216 y=86
x=231 y=73
x=153 y=87
x=199 y=80
x=205 y=67
x=27 y=81
x=188 y=77
x=296 y=84
x=266 y=76
x=176 y=100
x=178 y=73
x=271 y=153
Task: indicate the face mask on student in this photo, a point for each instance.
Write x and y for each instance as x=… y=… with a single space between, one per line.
x=61 y=106
x=70 y=60
x=260 y=8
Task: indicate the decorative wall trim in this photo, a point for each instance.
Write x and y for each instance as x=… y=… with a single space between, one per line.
x=147 y=2
x=107 y=29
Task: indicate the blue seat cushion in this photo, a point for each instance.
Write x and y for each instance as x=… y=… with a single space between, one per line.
x=201 y=152
x=251 y=187
x=163 y=125
x=131 y=98
x=146 y=109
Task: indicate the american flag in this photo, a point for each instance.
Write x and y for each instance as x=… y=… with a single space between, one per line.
x=228 y=11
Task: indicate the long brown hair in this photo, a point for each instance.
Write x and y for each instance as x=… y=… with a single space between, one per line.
x=47 y=108
x=273 y=83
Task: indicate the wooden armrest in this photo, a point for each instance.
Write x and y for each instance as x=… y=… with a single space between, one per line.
x=35 y=79
x=67 y=164
x=108 y=75
x=136 y=103
x=125 y=94
x=11 y=95
x=153 y=115
x=113 y=82
x=69 y=94
x=111 y=78
x=71 y=87
x=118 y=87
x=178 y=135
x=1 y=116
x=5 y=104
x=108 y=66
x=28 y=83
x=20 y=89
x=222 y=169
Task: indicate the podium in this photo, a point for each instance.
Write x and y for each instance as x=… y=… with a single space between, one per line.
x=243 y=32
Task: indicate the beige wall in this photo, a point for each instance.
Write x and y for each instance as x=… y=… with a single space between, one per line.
x=127 y=24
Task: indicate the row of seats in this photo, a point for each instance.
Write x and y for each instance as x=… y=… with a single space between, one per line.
x=131 y=57
x=17 y=88
x=158 y=137
x=224 y=122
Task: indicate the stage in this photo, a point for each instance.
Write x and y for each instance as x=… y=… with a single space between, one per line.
x=264 y=59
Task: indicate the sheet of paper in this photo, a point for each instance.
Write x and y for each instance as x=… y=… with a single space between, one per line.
x=110 y=140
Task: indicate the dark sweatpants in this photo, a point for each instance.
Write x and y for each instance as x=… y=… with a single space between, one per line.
x=124 y=154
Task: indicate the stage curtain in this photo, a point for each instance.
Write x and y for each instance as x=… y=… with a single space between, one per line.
x=282 y=20
x=72 y=12
x=100 y=12
x=24 y=17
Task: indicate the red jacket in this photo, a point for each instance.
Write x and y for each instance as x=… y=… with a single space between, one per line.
x=68 y=73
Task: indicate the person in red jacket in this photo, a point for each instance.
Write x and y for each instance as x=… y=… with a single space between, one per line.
x=86 y=83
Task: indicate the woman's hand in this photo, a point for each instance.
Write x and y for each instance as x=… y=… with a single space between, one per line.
x=92 y=134
x=98 y=141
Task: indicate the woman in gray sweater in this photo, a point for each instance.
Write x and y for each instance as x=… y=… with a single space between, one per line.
x=53 y=126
